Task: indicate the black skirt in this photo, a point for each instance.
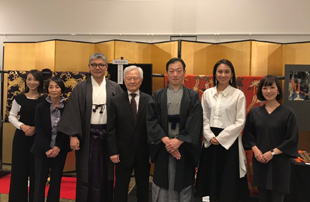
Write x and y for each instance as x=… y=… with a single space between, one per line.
x=218 y=173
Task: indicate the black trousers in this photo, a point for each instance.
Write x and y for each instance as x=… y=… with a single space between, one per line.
x=218 y=174
x=123 y=175
x=44 y=165
x=22 y=168
x=98 y=189
x=270 y=195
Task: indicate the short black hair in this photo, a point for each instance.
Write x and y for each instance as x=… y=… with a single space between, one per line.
x=47 y=74
x=233 y=83
x=58 y=81
x=38 y=77
x=268 y=81
x=174 y=60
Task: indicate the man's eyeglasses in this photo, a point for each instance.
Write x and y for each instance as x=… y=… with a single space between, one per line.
x=132 y=78
x=100 y=65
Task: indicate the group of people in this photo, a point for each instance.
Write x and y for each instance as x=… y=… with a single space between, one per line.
x=108 y=127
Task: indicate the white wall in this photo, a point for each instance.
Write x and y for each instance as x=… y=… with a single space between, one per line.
x=154 y=20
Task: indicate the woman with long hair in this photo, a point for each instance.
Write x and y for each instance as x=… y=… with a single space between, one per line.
x=24 y=106
x=222 y=171
x=271 y=131
x=50 y=147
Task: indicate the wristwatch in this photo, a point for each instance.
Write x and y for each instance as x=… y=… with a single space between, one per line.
x=272 y=152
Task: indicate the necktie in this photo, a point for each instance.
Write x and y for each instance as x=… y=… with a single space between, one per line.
x=133 y=106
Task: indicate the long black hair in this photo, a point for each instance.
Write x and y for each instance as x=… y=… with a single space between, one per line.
x=38 y=77
x=232 y=81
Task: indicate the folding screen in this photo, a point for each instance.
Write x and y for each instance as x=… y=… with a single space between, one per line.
x=45 y=55
x=72 y=56
x=201 y=57
x=108 y=48
x=250 y=58
x=297 y=53
x=21 y=55
x=196 y=57
x=133 y=52
x=161 y=54
x=238 y=53
x=266 y=58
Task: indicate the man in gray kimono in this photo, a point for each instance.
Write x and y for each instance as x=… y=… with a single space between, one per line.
x=174 y=124
x=84 y=120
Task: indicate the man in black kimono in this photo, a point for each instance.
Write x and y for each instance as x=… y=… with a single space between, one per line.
x=174 y=124
x=84 y=120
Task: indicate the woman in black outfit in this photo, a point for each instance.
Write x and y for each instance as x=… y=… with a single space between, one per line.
x=24 y=106
x=50 y=147
x=271 y=131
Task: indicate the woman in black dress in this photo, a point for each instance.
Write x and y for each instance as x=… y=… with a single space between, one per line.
x=271 y=131
x=50 y=147
x=24 y=106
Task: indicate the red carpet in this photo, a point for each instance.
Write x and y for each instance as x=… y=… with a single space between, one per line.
x=67 y=190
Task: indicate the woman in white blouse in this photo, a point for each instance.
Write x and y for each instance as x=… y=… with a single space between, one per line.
x=22 y=117
x=222 y=171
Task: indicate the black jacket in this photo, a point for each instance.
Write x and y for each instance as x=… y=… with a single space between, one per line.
x=125 y=136
x=43 y=128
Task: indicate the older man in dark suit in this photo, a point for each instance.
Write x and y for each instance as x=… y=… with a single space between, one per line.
x=127 y=136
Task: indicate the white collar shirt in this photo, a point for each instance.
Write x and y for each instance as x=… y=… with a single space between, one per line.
x=99 y=98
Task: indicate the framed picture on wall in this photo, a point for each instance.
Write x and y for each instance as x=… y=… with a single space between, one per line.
x=298 y=85
x=296 y=93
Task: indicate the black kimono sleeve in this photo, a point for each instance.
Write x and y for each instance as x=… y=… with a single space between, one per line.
x=70 y=122
x=154 y=130
x=191 y=129
x=193 y=126
x=62 y=141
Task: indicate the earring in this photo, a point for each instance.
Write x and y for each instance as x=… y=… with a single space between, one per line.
x=278 y=93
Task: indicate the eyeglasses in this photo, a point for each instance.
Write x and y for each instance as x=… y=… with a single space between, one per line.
x=100 y=65
x=130 y=78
